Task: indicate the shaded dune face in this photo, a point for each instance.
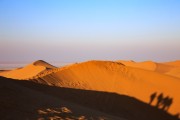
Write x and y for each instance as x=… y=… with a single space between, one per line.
x=25 y=100
x=114 y=77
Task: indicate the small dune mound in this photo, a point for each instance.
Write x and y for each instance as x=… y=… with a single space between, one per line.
x=147 y=65
x=28 y=71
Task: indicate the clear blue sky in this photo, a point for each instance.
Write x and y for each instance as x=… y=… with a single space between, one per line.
x=79 y=30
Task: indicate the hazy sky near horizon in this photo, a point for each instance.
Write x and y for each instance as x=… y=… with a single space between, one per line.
x=79 y=30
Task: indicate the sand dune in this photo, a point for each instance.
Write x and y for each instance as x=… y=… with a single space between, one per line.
x=115 y=77
x=147 y=65
x=172 y=70
x=168 y=68
x=28 y=71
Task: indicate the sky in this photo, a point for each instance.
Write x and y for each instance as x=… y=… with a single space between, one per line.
x=81 y=30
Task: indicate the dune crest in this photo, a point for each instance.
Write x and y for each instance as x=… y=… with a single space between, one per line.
x=44 y=64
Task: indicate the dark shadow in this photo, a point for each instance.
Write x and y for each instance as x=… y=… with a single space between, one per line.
x=177 y=115
x=152 y=97
x=167 y=101
x=163 y=103
x=159 y=100
x=111 y=103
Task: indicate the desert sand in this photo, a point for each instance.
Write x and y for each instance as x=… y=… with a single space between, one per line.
x=28 y=71
x=122 y=88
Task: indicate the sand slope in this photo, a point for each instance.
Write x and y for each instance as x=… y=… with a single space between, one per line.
x=115 y=77
x=28 y=71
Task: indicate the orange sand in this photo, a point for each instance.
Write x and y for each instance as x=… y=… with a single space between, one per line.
x=138 y=80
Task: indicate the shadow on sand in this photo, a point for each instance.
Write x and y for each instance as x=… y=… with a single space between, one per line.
x=110 y=103
x=162 y=102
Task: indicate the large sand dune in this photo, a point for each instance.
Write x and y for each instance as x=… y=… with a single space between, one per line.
x=114 y=77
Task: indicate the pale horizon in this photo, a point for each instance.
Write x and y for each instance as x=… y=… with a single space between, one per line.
x=76 y=31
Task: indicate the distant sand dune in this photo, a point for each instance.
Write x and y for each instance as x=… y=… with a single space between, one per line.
x=168 y=68
x=28 y=71
x=147 y=65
